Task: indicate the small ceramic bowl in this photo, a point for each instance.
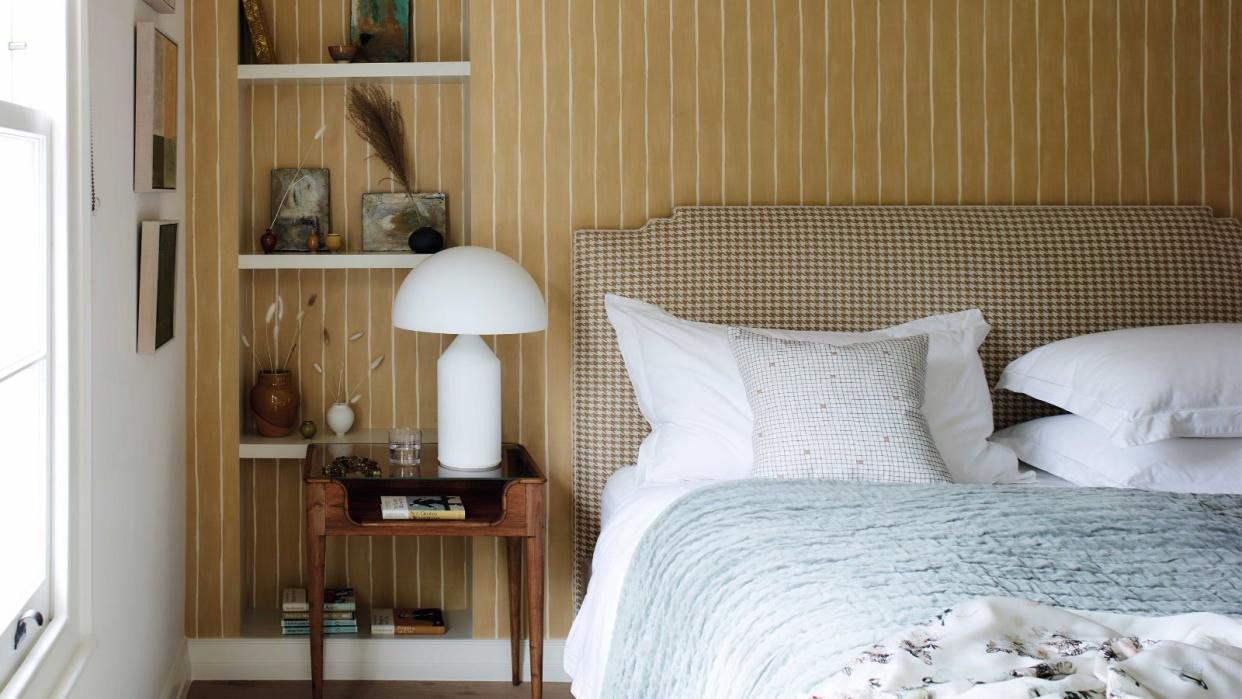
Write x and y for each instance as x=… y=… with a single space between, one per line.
x=343 y=54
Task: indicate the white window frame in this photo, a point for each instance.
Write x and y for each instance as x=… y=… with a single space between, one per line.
x=61 y=651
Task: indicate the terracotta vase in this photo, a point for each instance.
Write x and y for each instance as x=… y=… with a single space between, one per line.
x=274 y=400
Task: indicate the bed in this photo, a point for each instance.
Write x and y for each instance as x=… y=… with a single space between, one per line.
x=1039 y=274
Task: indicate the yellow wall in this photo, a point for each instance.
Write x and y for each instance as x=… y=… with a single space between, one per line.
x=606 y=113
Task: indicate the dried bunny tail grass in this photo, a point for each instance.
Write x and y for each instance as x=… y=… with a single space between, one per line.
x=271 y=313
x=355 y=399
x=357 y=336
x=318 y=369
x=245 y=342
x=375 y=363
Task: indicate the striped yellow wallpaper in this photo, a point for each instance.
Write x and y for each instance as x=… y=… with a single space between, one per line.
x=604 y=113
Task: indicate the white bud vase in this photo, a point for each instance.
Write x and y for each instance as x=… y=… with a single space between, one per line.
x=340 y=418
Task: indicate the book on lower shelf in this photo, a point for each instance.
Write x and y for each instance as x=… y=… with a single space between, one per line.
x=419 y=622
x=339 y=611
x=422 y=507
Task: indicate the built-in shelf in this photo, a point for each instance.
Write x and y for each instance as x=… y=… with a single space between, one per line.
x=340 y=73
x=265 y=623
x=323 y=260
x=293 y=446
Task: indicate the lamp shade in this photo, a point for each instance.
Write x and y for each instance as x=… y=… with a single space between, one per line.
x=469 y=290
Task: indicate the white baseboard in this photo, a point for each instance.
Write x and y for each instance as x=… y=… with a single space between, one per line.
x=464 y=660
x=177 y=686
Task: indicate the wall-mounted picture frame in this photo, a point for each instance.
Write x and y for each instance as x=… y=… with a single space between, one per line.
x=157 y=284
x=155 y=110
x=164 y=7
x=260 y=39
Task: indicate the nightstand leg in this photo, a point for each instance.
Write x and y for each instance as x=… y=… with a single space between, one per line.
x=315 y=543
x=514 y=549
x=534 y=577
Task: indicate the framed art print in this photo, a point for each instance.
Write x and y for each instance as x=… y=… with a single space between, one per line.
x=157 y=284
x=155 y=111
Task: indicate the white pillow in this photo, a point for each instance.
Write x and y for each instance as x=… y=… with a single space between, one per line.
x=689 y=390
x=1142 y=384
x=1080 y=451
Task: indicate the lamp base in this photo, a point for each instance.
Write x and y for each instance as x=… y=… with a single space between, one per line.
x=468 y=402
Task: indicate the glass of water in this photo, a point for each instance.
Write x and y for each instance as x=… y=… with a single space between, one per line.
x=404 y=446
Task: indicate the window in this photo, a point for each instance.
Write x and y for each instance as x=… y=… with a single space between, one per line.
x=25 y=377
x=44 y=416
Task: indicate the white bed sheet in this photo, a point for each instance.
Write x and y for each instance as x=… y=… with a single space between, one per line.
x=626 y=511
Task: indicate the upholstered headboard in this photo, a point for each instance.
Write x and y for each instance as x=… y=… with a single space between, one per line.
x=1038 y=273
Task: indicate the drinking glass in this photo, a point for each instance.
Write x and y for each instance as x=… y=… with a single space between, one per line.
x=404 y=446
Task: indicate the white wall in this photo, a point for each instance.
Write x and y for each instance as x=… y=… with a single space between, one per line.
x=138 y=401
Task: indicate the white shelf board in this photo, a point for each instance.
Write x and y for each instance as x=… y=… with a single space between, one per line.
x=293 y=446
x=265 y=623
x=325 y=260
x=340 y=73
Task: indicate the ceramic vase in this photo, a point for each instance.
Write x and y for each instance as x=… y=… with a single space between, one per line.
x=268 y=241
x=340 y=418
x=274 y=400
x=333 y=241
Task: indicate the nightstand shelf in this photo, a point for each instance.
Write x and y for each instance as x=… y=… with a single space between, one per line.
x=323 y=260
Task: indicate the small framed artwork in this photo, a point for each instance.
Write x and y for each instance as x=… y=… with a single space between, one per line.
x=157 y=284
x=381 y=30
x=155 y=111
x=164 y=7
x=300 y=198
x=388 y=219
x=261 y=49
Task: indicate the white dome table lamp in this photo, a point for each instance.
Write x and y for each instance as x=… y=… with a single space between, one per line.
x=469 y=291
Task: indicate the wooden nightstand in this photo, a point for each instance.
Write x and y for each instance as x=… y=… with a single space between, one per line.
x=507 y=502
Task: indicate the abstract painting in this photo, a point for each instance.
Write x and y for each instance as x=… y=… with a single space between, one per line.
x=381 y=30
x=155 y=111
x=157 y=284
x=388 y=219
x=300 y=198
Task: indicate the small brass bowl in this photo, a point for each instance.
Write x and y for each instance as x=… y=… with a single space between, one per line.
x=343 y=54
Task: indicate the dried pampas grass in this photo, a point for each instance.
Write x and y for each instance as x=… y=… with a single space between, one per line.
x=377 y=119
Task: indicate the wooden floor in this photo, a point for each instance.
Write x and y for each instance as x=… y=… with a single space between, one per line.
x=372 y=690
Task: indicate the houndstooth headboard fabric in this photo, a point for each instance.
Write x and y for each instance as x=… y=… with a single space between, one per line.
x=1039 y=274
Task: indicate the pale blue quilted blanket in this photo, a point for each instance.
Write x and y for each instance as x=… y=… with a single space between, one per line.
x=760 y=588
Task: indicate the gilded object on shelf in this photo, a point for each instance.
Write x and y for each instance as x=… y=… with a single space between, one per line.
x=260 y=38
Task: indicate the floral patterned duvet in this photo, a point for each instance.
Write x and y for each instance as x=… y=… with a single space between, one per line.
x=997 y=648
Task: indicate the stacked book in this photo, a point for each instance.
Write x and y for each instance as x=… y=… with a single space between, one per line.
x=407 y=622
x=340 y=611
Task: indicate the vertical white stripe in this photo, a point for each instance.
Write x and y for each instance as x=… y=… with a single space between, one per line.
x=724 y=152
x=1039 y=122
x=672 y=133
x=1177 y=196
x=827 y=113
x=595 y=93
x=776 y=87
x=220 y=310
x=543 y=18
x=750 y=88
x=254 y=536
x=1091 y=87
x=1065 y=126
x=1202 y=139
x=853 y=110
x=1117 y=67
x=1013 y=128
x=620 y=120
x=931 y=95
x=698 y=128
x=646 y=114
x=983 y=42
x=905 y=108
x=1146 y=110
x=1229 y=99
x=491 y=18
x=521 y=219
x=879 y=115
x=957 y=88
